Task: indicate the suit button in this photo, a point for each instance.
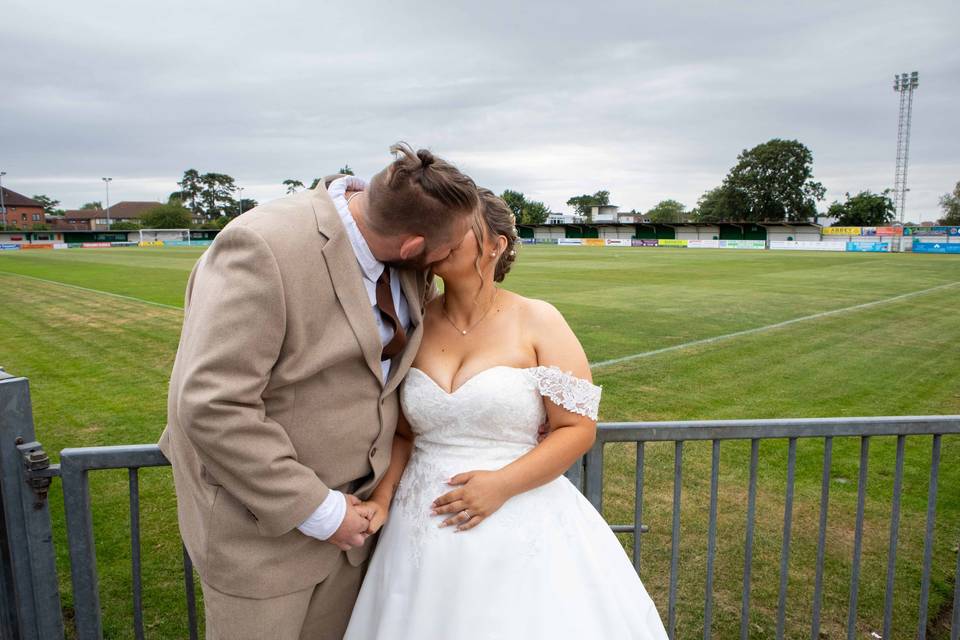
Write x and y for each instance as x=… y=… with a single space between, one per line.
x=373 y=452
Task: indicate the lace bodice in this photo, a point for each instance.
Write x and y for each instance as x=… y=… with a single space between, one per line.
x=498 y=406
x=486 y=423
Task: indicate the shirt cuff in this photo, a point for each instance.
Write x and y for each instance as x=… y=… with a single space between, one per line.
x=328 y=517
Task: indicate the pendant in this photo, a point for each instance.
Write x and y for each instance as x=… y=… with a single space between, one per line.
x=463 y=332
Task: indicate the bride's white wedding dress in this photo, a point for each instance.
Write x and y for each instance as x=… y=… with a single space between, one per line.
x=544 y=566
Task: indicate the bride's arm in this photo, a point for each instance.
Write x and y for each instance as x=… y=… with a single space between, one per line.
x=482 y=492
x=379 y=500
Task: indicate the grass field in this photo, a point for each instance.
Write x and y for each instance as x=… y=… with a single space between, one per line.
x=99 y=365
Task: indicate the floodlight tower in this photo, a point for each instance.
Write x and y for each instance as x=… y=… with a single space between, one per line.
x=904 y=85
x=3 y=208
x=107 y=181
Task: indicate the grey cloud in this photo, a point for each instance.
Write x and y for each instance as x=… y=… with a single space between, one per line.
x=649 y=100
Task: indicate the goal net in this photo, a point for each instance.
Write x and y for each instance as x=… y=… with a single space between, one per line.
x=173 y=236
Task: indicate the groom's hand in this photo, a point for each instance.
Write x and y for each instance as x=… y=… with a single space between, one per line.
x=353 y=530
x=543 y=431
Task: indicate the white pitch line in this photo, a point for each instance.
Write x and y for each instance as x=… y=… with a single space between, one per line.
x=104 y=293
x=777 y=325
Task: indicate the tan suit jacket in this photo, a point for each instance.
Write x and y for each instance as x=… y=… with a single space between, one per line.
x=276 y=395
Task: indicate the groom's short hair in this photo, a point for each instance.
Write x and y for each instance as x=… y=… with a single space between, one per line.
x=419 y=194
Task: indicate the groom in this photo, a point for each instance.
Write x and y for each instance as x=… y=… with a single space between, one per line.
x=300 y=322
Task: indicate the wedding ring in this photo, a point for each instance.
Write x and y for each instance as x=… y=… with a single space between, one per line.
x=466 y=513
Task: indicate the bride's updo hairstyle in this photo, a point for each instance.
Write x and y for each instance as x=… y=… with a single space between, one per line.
x=419 y=194
x=497 y=219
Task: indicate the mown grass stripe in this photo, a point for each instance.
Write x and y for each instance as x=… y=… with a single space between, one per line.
x=105 y=293
x=768 y=327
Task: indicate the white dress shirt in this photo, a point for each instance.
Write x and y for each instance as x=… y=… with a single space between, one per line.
x=325 y=521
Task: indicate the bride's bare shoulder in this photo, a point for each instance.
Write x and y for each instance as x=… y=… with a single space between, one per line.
x=540 y=312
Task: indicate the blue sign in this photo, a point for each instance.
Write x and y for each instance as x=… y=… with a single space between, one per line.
x=931 y=231
x=936 y=247
x=9 y=247
x=868 y=246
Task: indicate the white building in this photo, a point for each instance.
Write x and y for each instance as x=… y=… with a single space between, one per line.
x=604 y=213
x=564 y=218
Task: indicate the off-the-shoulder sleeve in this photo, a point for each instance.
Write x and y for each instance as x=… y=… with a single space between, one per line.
x=568 y=391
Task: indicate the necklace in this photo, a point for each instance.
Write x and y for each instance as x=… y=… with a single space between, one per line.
x=464 y=332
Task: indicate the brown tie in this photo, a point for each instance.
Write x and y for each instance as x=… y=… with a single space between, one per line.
x=389 y=313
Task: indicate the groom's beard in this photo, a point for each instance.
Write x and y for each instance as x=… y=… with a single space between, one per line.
x=418 y=264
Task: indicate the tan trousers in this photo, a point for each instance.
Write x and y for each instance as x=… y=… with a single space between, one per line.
x=318 y=613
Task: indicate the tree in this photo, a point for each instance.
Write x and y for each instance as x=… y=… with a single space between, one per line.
x=668 y=211
x=49 y=205
x=247 y=203
x=216 y=195
x=167 y=216
x=864 y=209
x=525 y=211
x=583 y=205
x=718 y=205
x=515 y=200
x=950 y=203
x=89 y=206
x=774 y=180
x=535 y=212
x=292 y=185
x=191 y=186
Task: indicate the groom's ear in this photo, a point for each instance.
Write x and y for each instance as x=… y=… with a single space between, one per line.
x=412 y=247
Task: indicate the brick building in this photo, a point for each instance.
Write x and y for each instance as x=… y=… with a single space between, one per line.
x=20 y=212
x=96 y=219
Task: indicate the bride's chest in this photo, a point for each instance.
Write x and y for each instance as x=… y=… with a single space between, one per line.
x=499 y=403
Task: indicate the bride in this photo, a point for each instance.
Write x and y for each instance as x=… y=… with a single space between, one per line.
x=485 y=537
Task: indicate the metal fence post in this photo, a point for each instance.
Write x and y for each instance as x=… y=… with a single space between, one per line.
x=29 y=589
x=593 y=476
x=83 y=557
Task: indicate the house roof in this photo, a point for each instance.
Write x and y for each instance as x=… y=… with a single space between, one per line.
x=14 y=199
x=82 y=214
x=125 y=210
x=59 y=224
x=132 y=209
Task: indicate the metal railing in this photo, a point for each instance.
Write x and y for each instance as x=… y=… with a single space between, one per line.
x=590 y=478
x=29 y=592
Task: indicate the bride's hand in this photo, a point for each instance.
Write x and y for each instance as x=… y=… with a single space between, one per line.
x=379 y=513
x=479 y=494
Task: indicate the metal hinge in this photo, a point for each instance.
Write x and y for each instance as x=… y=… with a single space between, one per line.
x=38 y=471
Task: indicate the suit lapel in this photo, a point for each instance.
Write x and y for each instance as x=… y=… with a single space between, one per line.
x=348 y=280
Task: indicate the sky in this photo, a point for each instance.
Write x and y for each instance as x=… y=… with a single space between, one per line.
x=648 y=100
